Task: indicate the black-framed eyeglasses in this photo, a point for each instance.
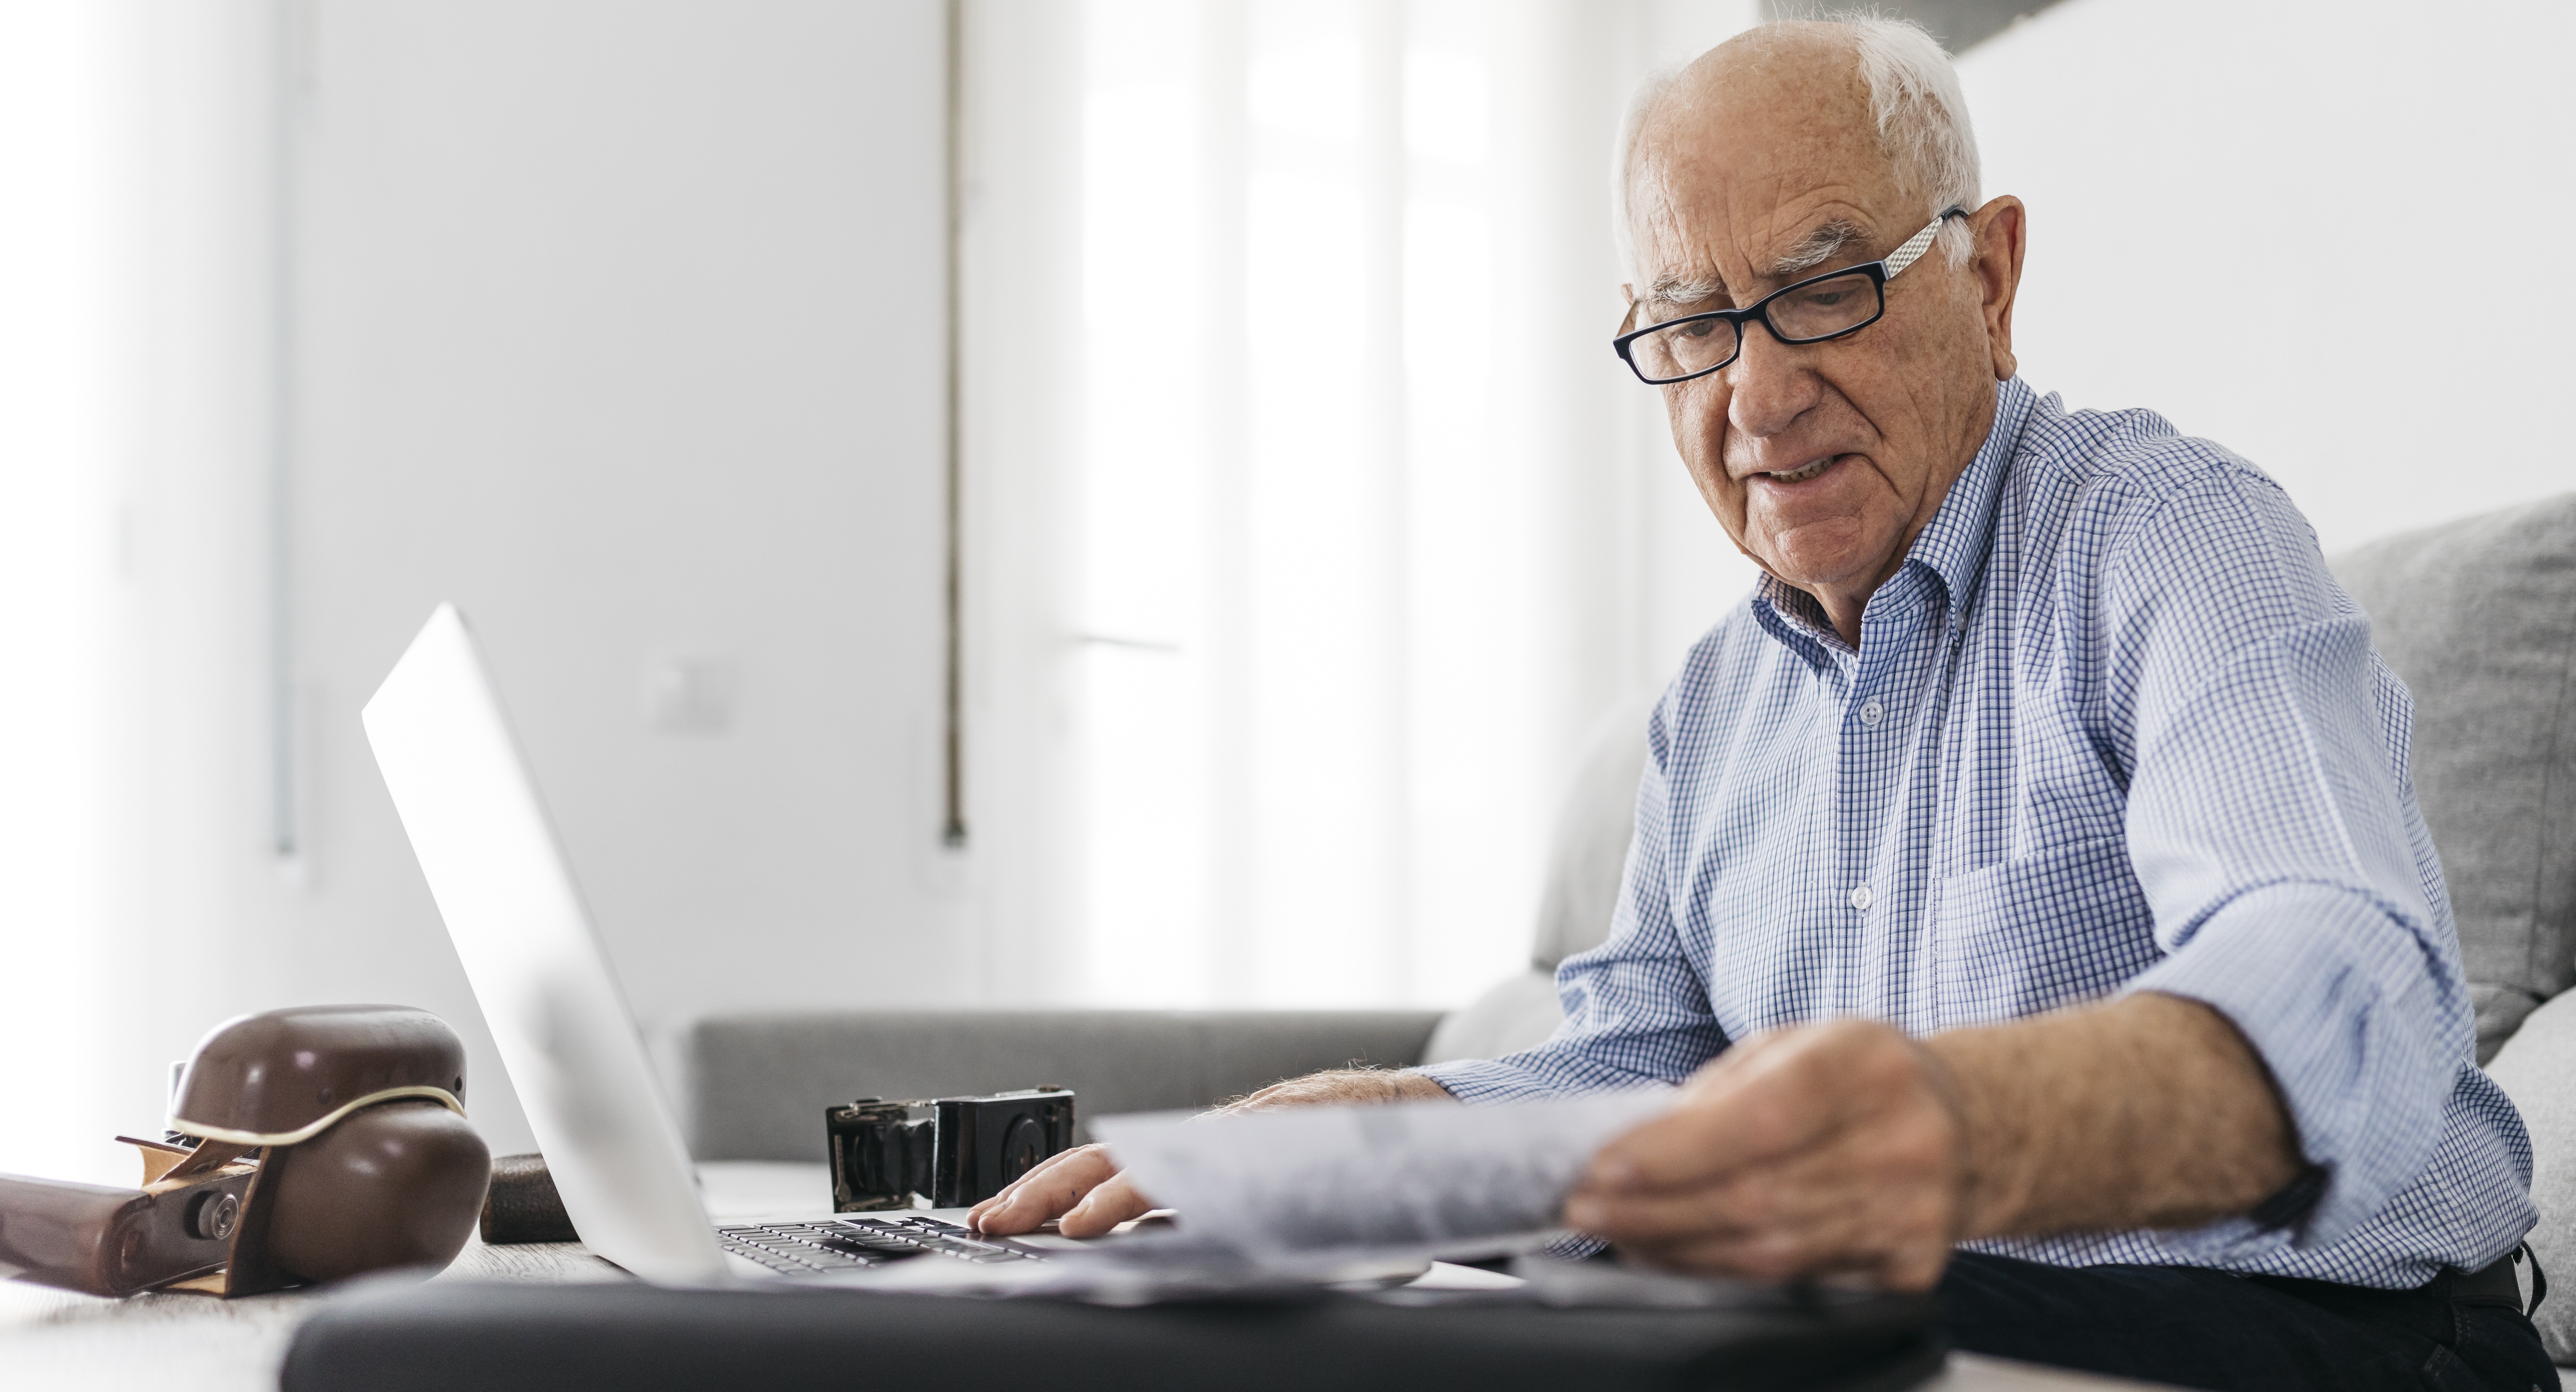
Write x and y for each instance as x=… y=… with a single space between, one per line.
x=1810 y=311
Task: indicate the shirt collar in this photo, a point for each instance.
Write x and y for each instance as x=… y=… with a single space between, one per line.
x=1953 y=546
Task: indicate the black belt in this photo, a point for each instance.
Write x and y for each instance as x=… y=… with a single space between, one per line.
x=2425 y=1310
x=2494 y=1284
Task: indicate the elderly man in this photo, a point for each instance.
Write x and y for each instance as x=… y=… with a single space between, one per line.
x=2026 y=879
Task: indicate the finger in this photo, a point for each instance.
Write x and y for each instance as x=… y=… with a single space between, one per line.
x=1750 y=1257
x=1770 y=1097
x=1036 y=1172
x=1912 y=1264
x=1080 y=1167
x=1768 y=1196
x=1714 y=1130
x=1822 y=1221
x=1047 y=1192
x=1916 y=1266
x=1831 y=1182
x=1106 y=1206
x=1825 y=1245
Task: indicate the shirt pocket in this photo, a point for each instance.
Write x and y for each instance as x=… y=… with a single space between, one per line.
x=2052 y=928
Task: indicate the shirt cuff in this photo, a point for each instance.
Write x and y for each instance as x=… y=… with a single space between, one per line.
x=2347 y=1006
x=1475 y=1081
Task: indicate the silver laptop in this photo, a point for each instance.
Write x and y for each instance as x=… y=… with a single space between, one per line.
x=564 y=1031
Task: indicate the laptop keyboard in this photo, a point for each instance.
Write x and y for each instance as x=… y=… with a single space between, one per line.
x=842 y=1244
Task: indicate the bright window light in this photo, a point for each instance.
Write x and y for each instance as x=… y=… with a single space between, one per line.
x=1310 y=765
x=61 y=143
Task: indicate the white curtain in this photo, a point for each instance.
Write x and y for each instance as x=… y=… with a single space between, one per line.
x=1312 y=523
x=134 y=248
x=60 y=143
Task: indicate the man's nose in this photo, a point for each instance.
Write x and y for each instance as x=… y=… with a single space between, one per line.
x=1769 y=384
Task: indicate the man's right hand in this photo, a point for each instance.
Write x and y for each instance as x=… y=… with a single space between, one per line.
x=1082 y=1187
x=1086 y=1192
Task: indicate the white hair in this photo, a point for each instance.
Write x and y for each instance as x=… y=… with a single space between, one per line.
x=1914 y=97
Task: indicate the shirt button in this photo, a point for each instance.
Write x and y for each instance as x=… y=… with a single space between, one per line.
x=1860 y=897
x=1870 y=712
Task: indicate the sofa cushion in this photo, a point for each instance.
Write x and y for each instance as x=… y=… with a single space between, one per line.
x=1588 y=856
x=1587 y=859
x=2478 y=617
x=1518 y=1012
x=2533 y=1069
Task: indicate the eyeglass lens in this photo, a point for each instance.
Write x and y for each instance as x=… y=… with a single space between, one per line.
x=1822 y=310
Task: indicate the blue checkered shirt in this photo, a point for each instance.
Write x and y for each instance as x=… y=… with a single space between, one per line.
x=2112 y=727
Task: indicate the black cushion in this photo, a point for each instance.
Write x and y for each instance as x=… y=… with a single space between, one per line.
x=634 y=1338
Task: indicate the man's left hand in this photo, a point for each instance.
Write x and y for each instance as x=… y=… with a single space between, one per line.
x=1811 y=1150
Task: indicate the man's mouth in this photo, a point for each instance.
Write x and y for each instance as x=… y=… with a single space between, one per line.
x=1803 y=472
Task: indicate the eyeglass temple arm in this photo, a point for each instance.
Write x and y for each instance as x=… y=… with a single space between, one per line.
x=1920 y=242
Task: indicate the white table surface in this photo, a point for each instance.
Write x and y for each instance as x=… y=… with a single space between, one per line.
x=58 y=1341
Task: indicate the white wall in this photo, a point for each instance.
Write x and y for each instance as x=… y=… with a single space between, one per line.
x=621 y=325
x=1021 y=160
x=135 y=157
x=2391 y=178
x=73 y=141
x=620 y=322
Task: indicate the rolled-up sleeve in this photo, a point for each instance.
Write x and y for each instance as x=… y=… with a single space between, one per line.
x=2270 y=823
x=1636 y=1009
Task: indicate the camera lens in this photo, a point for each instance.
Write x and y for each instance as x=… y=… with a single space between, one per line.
x=1023 y=1146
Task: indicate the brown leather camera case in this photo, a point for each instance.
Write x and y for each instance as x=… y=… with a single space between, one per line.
x=331 y=1140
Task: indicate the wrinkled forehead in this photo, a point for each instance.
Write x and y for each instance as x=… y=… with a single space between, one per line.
x=1742 y=172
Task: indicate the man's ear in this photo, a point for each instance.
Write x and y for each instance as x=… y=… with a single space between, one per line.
x=2002 y=232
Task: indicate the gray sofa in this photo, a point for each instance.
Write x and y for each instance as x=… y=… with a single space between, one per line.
x=2478 y=617
x=757 y=1084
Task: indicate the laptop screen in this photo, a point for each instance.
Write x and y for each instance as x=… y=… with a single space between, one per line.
x=555 y=1010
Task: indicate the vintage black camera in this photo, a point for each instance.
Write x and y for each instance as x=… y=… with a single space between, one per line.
x=951 y=1151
